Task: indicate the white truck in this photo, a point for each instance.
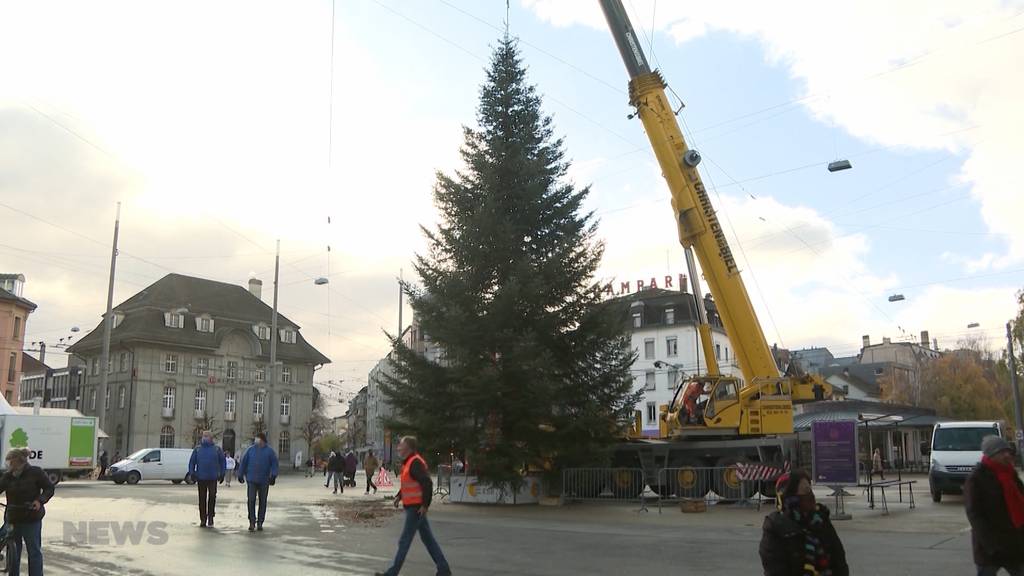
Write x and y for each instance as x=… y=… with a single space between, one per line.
x=61 y=444
x=955 y=451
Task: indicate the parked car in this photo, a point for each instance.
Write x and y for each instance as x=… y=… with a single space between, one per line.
x=153 y=464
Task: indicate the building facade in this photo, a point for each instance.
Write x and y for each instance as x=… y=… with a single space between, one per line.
x=663 y=332
x=14 y=312
x=188 y=353
x=357 y=421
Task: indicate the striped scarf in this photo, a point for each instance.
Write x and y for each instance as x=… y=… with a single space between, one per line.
x=816 y=560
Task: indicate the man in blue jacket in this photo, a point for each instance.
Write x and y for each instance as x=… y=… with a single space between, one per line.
x=259 y=469
x=207 y=466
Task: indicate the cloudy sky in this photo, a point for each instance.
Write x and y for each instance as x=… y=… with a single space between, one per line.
x=213 y=124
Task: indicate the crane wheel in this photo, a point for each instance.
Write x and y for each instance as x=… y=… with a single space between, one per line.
x=627 y=483
x=688 y=481
x=727 y=480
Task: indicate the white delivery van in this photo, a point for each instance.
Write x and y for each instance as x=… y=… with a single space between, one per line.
x=955 y=451
x=153 y=464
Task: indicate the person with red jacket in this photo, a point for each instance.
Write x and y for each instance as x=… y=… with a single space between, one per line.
x=415 y=494
x=995 y=509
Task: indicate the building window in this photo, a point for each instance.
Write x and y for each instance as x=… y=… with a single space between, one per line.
x=11 y=366
x=718 y=351
x=106 y=399
x=672 y=346
x=652 y=412
x=118 y=317
x=673 y=378
x=670 y=315
x=17 y=328
x=261 y=374
x=167 y=437
x=95 y=367
x=110 y=365
x=174 y=319
x=286 y=374
x=257 y=404
x=726 y=353
x=637 y=320
x=232 y=369
x=200 y=402
x=123 y=362
x=649 y=349
x=121 y=393
x=649 y=380
x=204 y=324
x=262 y=331
x=284 y=445
x=168 y=397
x=229 y=402
x=171 y=363
x=202 y=366
x=285 y=405
x=92 y=399
x=288 y=336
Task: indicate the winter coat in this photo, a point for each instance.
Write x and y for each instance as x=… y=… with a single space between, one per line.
x=782 y=545
x=207 y=462
x=351 y=464
x=336 y=463
x=995 y=541
x=31 y=485
x=370 y=464
x=259 y=465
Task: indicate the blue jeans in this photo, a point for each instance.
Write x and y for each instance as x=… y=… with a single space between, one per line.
x=416 y=523
x=994 y=570
x=257 y=491
x=31 y=533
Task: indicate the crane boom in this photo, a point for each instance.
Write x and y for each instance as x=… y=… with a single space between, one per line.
x=696 y=220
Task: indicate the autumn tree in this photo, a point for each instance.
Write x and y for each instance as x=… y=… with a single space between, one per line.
x=957 y=386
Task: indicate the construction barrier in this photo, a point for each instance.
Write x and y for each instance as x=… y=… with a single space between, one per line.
x=384 y=479
x=581 y=484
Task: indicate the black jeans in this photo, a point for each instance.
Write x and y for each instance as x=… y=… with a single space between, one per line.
x=369 y=481
x=257 y=492
x=207 y=499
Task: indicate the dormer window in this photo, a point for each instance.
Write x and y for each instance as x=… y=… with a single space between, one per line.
x=262 y=331
x=175 y=319
x=118 y=318
x=288 y=336
x=204 y=323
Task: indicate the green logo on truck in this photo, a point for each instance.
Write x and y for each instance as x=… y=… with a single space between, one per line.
x=19 y=439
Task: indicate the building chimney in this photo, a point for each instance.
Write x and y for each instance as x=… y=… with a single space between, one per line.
x=865 y=340
x=886 y=340
x=256 y=287
x=924 y=339
x=935 y=343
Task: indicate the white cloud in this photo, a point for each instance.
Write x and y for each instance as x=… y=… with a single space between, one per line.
x=896 y=74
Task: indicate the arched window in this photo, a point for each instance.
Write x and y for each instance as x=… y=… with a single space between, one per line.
x=167 y=437
x=121 y=393
x=284 y=446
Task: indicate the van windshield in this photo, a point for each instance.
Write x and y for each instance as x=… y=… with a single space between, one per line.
x=137 y=454
x=961 y=439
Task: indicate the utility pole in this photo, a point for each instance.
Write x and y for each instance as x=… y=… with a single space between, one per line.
x=108 y=325
x=1016 y=393
x=273 y=340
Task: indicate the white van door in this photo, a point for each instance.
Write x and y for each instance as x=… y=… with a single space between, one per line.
x=151 y=466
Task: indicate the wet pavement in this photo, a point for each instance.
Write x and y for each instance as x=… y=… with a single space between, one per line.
x=310 y=531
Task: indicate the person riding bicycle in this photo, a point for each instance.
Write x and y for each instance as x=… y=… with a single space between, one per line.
x=28 y=489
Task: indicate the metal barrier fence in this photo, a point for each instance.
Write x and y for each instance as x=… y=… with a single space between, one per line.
x=667 y=485
x=444 y=481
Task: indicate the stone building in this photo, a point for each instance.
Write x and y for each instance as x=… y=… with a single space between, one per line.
x=14 y=311
x=188 y=353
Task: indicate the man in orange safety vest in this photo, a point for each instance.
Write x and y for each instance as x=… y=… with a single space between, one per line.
x=416 y=489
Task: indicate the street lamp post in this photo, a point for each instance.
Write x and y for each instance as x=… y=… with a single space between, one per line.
x=1012 y=365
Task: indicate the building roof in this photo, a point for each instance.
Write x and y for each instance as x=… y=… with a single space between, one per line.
x=867 y=413
x=232 y=307
x=30 y=366
x=653 y=302
x=20 y=277
x=6 y=296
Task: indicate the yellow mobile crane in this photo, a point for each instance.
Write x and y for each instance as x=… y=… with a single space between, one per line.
x=744 y=419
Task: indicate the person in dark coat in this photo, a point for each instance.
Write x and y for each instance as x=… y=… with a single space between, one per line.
x=28 y=489
x=995 y=508
x=336 y=470
x=798 y=538
x=104 y=464
x=351 y=465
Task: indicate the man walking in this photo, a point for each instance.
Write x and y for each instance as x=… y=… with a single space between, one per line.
x=28 y=489
x=415 y=494
x=995 y=508
x=104 y=464
x=207 y=467
x=335 y=471
x=351 y=465
x=259 y=469
x=229 y=465
x=370 y=465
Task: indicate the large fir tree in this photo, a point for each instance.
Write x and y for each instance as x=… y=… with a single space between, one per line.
x=535 y=368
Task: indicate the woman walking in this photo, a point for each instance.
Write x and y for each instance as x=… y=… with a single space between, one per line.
x=798 y=538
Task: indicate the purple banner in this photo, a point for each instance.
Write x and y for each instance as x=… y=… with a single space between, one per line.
x=834 y=449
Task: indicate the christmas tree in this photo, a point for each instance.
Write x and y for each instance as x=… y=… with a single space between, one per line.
x=534 y=368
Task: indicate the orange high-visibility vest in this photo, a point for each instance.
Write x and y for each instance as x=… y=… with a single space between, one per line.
x=412 y=492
